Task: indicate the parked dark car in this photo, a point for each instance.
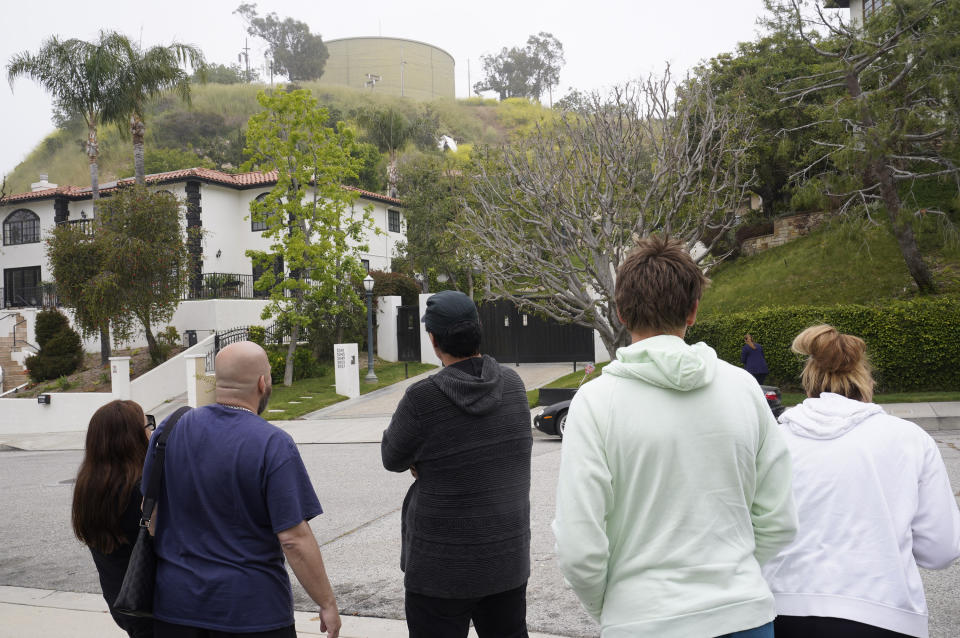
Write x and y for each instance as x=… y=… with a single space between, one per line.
x=552 y=419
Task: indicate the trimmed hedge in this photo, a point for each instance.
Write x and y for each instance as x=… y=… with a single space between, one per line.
x=912 y=345
x=61 y=349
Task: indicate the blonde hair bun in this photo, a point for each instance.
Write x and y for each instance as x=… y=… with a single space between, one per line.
x=837 y=363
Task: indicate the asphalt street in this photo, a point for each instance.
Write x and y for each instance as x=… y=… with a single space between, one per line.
x=359 y=533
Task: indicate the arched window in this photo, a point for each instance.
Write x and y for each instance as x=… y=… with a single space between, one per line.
x=21 y=227
x=254 y=224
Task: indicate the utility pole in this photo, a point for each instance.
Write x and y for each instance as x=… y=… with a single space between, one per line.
x=244 y=56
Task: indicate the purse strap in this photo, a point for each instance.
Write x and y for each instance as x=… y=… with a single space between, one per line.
x=156 y=470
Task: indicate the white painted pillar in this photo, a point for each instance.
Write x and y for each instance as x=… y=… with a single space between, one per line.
x=120 y=377
x=195 y=367
x=427 y=355
x=599 y=350
x=387 y=327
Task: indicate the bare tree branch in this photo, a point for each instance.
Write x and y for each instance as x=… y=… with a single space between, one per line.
x=555 y=212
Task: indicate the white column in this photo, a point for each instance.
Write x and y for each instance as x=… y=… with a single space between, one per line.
x=387 y=327
x=195 y=365
x=599 y=350
x=120 y=377
x=427 y=355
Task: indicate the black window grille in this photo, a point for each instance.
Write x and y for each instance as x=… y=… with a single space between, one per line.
x=21 y=227
x=21 y=287
x=257 y=225
x=393 y=221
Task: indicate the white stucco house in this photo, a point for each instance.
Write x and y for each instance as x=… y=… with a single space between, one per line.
x=220 y=293
x=859 y=9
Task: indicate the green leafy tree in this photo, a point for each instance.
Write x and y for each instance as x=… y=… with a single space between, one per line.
x=221 y=74
x=545 y=53
x=507 y=73
x=746 y=79
x=161 y=160
x=897 y=124
x=297 y=53
x=390 y=130
x=85 y=282
x=129 y=271
x=311 y=218
x=526 y=71
x=433 y=187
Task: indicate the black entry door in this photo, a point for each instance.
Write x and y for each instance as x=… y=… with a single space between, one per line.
x=408 y=333
x=21 y=287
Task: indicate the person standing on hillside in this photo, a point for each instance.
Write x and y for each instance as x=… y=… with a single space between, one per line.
x=234 y=502
x=751 y=356
x=464 y=433
x=674 y=483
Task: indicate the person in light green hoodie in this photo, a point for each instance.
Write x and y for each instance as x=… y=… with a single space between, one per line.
x=675 y=484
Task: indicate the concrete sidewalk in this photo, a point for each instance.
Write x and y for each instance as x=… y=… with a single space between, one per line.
x=41 y=613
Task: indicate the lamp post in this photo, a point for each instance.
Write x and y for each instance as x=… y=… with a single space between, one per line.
x=368 y=286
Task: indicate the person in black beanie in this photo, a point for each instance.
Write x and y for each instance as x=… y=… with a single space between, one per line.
x=464 y=434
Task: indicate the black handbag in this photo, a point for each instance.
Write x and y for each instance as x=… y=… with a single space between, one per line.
x=136 y=593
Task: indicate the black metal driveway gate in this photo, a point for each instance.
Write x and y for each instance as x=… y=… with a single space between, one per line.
x=516 y=336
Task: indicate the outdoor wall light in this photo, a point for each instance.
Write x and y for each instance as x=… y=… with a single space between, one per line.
x=219 y=252
x=43 y=399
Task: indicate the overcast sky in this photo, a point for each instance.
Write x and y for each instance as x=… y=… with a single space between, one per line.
x=605 y=41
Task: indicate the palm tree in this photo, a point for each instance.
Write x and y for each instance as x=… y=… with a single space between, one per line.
x=83 y=78
x=148 y=74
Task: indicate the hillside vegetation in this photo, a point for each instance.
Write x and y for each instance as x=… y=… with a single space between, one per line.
x=839 y=263
x=210 y=131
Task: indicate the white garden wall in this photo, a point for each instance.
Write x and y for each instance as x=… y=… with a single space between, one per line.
x=167 y=380
x=67 y=412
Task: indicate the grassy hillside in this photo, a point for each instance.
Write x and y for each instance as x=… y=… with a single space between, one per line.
x=209 y=132
x=843 y=262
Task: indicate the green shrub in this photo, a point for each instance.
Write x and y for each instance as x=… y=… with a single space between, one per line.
x=49 y=322
x=257 y=334
x=912 y=345
x=61 y=355
x=394 y=283
x=305 y=365
x=167 y=340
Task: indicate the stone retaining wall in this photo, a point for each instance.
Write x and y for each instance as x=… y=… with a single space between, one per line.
x=785 y=229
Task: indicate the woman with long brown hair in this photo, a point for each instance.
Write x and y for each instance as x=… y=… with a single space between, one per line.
x=106 y=498
x=873 y=499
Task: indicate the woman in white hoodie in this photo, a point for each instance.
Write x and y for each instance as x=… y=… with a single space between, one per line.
x=874 y=503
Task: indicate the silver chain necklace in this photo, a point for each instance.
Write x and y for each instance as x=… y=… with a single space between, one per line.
x=237 y=407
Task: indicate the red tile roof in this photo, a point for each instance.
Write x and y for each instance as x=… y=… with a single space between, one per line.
x=235 y=180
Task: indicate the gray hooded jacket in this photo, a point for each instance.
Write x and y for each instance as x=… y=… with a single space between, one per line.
x=466 y=519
